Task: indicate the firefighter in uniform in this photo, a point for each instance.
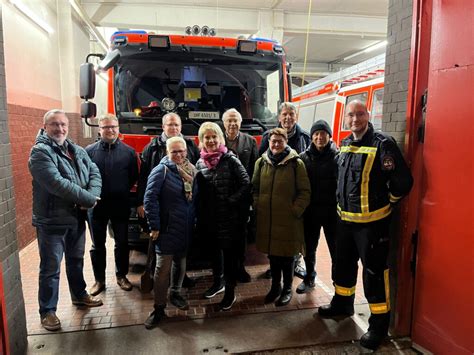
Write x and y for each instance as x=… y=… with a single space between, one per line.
x=373 y=176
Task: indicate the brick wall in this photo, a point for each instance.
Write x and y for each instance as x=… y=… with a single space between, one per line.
x=13 y=294
x=24 y=123
x=397 y=62
x=395 y=104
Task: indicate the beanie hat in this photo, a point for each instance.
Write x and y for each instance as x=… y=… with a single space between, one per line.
x=320 y=125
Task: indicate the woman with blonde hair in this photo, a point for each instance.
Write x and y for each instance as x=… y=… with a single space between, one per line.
x=223 y=184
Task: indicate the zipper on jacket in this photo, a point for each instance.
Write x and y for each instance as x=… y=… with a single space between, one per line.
x=271 y=209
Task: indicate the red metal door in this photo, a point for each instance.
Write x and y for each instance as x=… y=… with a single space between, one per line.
x=443 y=309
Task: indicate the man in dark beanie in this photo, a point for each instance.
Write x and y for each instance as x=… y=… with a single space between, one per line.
x=320 y=160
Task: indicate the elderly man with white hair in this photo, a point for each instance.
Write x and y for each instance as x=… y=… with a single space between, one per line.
x=244 y=146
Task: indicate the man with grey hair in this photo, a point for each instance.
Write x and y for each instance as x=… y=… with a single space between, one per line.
x=152 y=155
x=298 y=139
x=118 y=165
x=245 y=148
x=65 y=184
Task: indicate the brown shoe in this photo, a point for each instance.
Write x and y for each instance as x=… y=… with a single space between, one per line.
x=124 y=283
x=88 y=301
x=97 y=288
x=50 y=321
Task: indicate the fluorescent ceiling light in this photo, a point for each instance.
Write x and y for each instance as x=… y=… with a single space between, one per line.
x=32 y=16
x=366 y=50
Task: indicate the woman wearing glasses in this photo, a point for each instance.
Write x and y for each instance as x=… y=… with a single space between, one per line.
x=281 y=192
x=223 y=184
x=170 y=209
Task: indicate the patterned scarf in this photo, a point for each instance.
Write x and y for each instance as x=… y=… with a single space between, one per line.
x=187 y=171
x=211 y=159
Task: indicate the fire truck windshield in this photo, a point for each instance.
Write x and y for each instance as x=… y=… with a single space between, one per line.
x=198 y=85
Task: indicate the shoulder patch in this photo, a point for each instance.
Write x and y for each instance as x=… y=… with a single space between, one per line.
x=388 y=163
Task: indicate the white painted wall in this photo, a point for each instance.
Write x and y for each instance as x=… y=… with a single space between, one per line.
x=33 y=57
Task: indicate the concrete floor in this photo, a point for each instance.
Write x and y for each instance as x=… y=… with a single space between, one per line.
x=237 y=334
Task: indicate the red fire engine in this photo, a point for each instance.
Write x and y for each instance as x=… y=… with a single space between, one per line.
x=198 y=77
x=327 y=100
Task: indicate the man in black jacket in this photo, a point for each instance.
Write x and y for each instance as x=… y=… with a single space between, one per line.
x=372 y=178
x=320 y=160
x=298 y=139
x=152 y=155
x=245 y=148
x=118 y=167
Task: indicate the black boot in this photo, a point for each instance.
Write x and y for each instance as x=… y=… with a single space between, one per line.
x=228 y=300
x=155 y=317
x=243 y=276
x=188 y=282
x=339 y=306
x=285 y=297
x=273 y=294
x=371 y=340
x=178 y=301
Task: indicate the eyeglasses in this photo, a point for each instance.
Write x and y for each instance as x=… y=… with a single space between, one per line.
x=175 y=152
x=57 y=124
x=108 y=127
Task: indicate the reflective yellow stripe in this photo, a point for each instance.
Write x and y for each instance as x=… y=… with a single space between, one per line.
x=344 y=291
x=358 y=150
x=386 y=279
x=364 y=217
x=364 y=187
x=394 y=199
x=378 y=308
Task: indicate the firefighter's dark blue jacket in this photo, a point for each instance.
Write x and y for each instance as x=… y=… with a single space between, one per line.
x=373 y=175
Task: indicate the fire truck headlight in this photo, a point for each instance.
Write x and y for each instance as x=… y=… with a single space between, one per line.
x=168 y=104
x=137 y=112
x=188 y=30
x=205 y=30
x=212 y=32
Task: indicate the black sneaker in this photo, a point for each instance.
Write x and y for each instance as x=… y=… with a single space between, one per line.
x=305 y=286
x=227 y=302
x=214 y=290
x=300 y=271
x=155 y=318
x=178 y=301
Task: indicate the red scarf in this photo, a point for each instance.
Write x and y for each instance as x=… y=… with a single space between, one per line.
x=211 y=159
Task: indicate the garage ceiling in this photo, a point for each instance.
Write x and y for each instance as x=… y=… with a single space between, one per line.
x=339 y=30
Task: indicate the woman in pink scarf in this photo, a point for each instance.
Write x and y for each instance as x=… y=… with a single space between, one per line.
x=223 y=182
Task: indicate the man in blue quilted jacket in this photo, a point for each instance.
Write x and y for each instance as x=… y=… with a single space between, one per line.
x=65 y=184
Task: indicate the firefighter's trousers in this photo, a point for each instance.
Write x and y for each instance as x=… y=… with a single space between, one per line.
x=370 y=243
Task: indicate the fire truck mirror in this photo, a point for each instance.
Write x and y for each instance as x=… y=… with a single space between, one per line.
x=110 y=60
x=88 y=110
x=87 y=81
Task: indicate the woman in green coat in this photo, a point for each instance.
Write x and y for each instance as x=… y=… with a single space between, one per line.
x=281 y=192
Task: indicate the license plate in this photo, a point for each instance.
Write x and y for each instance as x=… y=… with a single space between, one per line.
x=200 y=115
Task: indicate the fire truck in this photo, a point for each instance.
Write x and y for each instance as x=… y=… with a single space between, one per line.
x=196 y=76
x=327 y=98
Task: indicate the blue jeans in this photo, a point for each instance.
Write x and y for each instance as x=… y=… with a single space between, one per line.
x=53 y=242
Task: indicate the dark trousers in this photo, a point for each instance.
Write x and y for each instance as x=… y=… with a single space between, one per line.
x=98 y=251
x=225 y=264
x=282 y=265
x=312 y=231
x=370 y=243
x=53 y=243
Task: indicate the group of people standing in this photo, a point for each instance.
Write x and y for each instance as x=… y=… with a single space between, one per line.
x=295 y=184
